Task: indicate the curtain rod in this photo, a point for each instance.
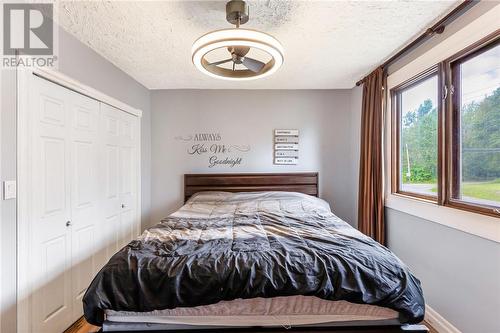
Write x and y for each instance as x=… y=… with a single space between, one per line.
x=437 y=28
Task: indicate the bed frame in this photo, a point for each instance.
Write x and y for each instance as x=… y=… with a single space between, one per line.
x=340 y=329
x=303 y=182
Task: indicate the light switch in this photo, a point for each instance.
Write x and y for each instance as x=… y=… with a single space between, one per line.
x=9 y=189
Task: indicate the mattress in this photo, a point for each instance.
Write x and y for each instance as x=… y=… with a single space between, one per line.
x=276 y=311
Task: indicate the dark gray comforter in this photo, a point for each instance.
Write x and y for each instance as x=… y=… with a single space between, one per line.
x=223 y=246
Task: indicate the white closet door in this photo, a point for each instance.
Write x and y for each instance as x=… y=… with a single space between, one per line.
x=110 y=128
x=121 y=169
x=50 y=211
x=85 y=196
x=128 y=178
x=83 y=175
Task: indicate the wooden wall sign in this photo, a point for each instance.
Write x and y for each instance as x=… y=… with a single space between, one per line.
x=286 y=146
x=286 y=160
x=286 y=132
x=287 y=139
x=286 y=153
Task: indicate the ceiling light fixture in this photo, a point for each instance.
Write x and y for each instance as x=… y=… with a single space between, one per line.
x=243 y=45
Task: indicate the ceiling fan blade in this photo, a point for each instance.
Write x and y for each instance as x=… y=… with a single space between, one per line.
x=253 y=65
x=219 y=62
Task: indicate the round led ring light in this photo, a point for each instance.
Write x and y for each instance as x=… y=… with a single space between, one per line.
x=237 y=37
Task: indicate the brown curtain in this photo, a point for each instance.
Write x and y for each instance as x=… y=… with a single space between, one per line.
x=370 y=201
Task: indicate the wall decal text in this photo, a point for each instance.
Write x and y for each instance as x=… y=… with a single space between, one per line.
x=220 y=154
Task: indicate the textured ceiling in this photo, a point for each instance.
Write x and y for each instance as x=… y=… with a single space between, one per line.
x=328 y=44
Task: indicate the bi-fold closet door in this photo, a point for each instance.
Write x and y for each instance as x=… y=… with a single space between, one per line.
x=83 y=169
x=120 y=168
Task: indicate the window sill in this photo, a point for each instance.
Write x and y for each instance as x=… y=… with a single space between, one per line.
x=473 y=223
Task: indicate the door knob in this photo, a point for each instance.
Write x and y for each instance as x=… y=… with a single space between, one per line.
x=68 y=223
x=123 y=205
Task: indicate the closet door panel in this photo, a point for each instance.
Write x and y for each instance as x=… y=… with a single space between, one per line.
x=112 y=176
x=128 y=176
x=127 y=188
x=110 y=123
x=53 y=181
x=51 y=300
x=50 y=178
x=85 y=198
x=111 y=202
x=126 y=228
x=84 y=265
x=111 y=235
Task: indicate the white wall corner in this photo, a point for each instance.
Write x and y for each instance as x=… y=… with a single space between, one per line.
x=438 y=322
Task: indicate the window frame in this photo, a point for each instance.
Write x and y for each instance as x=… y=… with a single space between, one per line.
x=396 y=106
x=448 y=107
x=452 y=130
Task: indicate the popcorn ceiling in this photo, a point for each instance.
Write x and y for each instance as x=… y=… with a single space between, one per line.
x=328 y=44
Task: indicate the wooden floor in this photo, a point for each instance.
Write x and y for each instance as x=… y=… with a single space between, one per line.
x=81 y=326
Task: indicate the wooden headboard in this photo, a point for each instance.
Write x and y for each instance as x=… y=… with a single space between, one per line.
x=303 y=182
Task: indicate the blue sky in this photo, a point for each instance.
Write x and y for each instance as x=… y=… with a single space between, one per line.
x=480 y=77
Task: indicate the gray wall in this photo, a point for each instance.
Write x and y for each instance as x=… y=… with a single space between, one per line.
x=355 y=128
x=460 y=273
x=248 y=117
x=82 y=64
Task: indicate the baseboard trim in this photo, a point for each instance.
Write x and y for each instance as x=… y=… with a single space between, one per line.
x=438 y=322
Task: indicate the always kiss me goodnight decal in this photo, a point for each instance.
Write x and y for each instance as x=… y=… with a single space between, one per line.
x=219 y=153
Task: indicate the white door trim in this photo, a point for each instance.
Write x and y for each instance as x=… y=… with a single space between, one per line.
x=23 y=216
x=1 y=198
x=24 y=85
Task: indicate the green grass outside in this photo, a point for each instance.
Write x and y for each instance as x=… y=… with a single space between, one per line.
x=480 y=190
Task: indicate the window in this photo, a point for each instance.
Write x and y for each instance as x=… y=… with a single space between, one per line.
x=417 y=125
x=446 y=131
x=475 y=134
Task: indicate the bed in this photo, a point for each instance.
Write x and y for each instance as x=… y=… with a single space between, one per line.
x=254 y=250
